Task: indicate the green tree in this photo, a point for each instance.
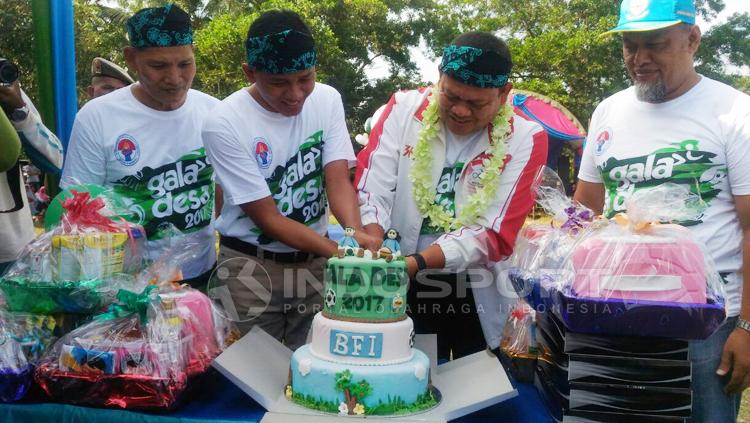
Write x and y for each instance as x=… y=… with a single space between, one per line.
x=353 y=392
x=17 y=42
x=100 y=32
x=556 y=43
x=558 y=50
x=743 y=84
x=722 y=44
x=349 y=35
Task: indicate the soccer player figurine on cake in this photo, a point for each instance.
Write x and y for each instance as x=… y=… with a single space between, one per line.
x=391 y=248
x=348 y=246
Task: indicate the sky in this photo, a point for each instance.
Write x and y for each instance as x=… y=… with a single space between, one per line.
x=428 y=65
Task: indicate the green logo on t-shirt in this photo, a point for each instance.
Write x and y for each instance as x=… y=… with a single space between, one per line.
x=179 y=193
x=682 y=163
x=445 y=195
x=298 y=186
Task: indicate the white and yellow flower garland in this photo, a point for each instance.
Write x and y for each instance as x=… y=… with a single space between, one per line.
x=421 y=171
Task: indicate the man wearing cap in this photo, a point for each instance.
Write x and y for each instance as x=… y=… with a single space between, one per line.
x=106 y=77
x=144 y=141
x=281 y=151
x=450 y=168
x=675 y=125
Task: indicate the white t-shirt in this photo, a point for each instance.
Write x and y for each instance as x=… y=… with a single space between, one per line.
x=458 y=151
x=700 y=140
x=155 y=160
x=258 y=153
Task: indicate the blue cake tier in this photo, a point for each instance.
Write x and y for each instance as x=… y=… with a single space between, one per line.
x=388 y=387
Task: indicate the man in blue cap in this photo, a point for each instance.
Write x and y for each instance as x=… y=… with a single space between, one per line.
x=675 y=125
x=144 y=141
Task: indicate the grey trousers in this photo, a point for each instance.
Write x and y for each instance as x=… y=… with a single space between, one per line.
x=280 y=298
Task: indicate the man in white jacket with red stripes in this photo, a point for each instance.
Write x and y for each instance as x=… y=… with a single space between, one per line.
x=437 y=142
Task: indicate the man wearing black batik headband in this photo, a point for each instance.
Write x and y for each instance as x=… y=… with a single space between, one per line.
x=143 y=141
x=450 y=167
x=281 y=151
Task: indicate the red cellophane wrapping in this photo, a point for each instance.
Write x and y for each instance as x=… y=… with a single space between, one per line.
x=143 y=352
x=140 y=354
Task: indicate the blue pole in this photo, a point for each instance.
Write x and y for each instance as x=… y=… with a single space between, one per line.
x=63 y=67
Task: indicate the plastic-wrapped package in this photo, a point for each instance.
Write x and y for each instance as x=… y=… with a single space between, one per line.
x=542 y=250
x=518 y=343
x=636 y=274
x=15 y=371
x=33 y=332
x=79 y=266
x=142 y=352
x=23 y=338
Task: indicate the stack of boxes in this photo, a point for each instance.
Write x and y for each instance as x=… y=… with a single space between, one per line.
x=594 y=378
x=605 y=291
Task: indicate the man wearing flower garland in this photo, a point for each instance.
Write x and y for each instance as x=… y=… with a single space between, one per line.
x=450 y=167
x=144 y=142
x=281 y=150
x=691 y=131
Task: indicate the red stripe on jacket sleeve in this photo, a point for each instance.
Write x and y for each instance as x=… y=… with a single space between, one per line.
x=364 y=158
x=419 y=114
x=501 y=243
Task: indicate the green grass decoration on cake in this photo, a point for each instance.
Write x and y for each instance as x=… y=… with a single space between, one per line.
x=354 y=393
x=309 y=401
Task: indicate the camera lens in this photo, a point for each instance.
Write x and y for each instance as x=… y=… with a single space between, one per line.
x=8 y=72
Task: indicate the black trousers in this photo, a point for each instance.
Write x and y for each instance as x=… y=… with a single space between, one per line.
x=200 y=282
x=444 y=304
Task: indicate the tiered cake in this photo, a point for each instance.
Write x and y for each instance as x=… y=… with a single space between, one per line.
x=361 y=359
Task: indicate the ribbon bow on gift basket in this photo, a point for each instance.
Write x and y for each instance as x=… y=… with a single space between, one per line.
x=641 y=273
x=79 y=264
x=146 y=349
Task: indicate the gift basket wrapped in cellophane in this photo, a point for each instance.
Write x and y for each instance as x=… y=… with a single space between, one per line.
x=518 y=344
x=80 y=264
x=143 y=352
x=641 y=273
x=23 y=339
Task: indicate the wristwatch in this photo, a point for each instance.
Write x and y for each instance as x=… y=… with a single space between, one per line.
x=743 y=324
x=421 y=263
x=19 y=114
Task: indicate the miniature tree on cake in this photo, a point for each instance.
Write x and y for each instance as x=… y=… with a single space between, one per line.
x=353 y=392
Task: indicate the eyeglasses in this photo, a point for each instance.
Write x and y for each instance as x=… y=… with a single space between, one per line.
x=449 y=100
